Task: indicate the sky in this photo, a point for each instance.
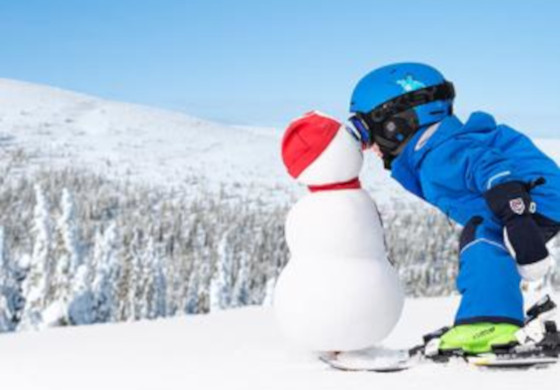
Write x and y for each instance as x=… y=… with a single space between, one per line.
x=258 y=62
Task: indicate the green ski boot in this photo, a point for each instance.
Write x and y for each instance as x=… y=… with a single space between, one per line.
x=478 y=338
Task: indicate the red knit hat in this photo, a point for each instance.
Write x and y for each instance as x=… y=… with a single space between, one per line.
x=305 y=139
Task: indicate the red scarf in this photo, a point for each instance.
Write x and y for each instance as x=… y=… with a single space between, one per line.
x=353 y=184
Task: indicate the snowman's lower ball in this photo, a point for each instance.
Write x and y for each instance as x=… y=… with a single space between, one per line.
x=338 y=305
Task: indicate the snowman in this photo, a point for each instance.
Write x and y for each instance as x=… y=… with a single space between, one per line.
x=338 y=292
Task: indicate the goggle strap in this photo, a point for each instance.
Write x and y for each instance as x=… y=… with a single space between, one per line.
x=444 y=91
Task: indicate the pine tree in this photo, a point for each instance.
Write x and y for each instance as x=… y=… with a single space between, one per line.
x=221 y=283
x=5 y=312
x=197 y=275
x=35 y=285
x=145 y=281
x=132 y=306
x=81 y=310
x=203 y=270
x=11 y=294
x=192 y=300
x=5 y=318
x=241 y=287
x=269 y=295
x=157 y=298
x=67 y=282
x=68 y=226
x=107 y=275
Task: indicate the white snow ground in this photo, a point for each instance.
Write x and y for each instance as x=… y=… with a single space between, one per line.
x=237 y=349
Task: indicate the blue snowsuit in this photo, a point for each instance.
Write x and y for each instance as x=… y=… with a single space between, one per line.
x=451 y=169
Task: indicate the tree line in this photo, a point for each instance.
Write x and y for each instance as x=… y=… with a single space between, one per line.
x=77 y=248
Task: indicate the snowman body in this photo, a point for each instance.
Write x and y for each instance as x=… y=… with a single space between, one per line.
x=338 y=292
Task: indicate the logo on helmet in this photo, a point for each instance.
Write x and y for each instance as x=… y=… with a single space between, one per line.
x=409 y=84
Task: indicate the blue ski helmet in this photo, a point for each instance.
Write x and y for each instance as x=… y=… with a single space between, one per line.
x=392 y=103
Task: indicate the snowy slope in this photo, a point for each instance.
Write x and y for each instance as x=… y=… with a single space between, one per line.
x=238 y=349
x=158 y=147
x=61 y=128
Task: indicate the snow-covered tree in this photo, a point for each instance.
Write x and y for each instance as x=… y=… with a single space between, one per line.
x=269 y=295
x=240 y=296
x=156 y=293
x=11 y=295
x=2 y=254
x=107 y=274
x=5 y=312
x=221 y=283
x=196 y=278
x=201 y=272
x=151 y=289
x=5 y=318
x=202 y=251
x=66 y=282
x=35 y=285
x=192 y=300
x=81 y=310
x=68 y=228
x=185 y=230
x=182 y=288
x=131 y=307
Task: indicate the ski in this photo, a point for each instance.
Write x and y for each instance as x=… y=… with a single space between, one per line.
x=513 y=362
x=538 y=346
x=366 y=362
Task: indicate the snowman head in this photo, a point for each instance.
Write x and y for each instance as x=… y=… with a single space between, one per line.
x=318 y=150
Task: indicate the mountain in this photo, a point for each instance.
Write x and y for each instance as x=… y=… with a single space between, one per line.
x=60 y=129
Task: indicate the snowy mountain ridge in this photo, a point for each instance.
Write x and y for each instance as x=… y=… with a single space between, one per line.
x=60 y=128
x=151 y=145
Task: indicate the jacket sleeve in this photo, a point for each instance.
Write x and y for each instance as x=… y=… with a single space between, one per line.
x=486 y=167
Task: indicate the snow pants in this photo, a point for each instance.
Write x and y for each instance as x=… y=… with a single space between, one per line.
x=488 y=278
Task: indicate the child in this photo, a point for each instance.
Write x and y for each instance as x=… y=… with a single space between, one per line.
x=489 y=178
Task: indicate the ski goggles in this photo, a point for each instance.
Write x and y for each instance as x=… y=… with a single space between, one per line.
x=362 y=132
x=353 y=132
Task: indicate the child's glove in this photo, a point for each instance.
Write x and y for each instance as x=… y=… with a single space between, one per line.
x=513 y=205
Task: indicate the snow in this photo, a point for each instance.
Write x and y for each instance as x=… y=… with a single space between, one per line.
x=237 y=349
x=159 y=147
x=153 y=146
x=60 y=128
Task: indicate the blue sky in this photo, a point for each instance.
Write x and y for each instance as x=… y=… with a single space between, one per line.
x=264 y=62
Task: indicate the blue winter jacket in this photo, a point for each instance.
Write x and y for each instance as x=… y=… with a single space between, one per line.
x=454 y=166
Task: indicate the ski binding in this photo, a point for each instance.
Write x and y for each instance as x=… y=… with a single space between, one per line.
x=537 y=346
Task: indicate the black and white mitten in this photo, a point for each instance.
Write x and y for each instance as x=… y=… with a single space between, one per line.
x=512 y=204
